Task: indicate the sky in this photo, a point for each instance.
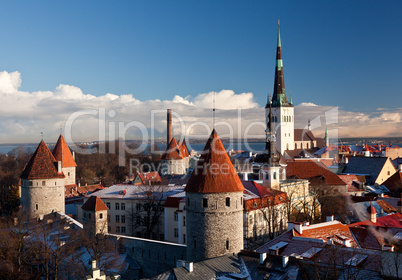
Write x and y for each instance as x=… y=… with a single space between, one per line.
x=128 y=58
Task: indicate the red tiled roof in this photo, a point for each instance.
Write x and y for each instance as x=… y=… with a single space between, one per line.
x=183 y=148
x=214 y=172
x=94 y=203
x=90 y=188
x=172 y=151
x=61 y=152
x=303 y=135
x=173 y=202
x=389 y=221
x=322 y=232
x=352 y=181
x=366 y=238
x=388 y=208
x=152 y=176
x=311 y=169
x=42 y=165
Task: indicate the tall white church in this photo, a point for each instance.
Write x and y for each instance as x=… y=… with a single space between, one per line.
x=282 y=109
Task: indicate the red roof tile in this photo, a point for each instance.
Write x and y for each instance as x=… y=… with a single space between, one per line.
x=42 y=165
x=172 y=151
x=388 y=208
x=311 y=169
x=389 y=221
x=61 y=152
x=94 y=203
x=214 y=172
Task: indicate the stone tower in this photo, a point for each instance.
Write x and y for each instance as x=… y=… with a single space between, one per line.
x=61 y=152
x=214 y=205
x=175 y=160
x=282 y=109
x=95 y=215
x=42 y=184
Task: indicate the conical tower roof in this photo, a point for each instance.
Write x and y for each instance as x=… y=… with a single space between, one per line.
x=172 y=151
x=279 y=97
x=61 y=152
x=214 y=172
x=42 y=165
x=94 y=203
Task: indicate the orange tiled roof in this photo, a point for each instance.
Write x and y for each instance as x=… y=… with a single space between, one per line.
x=173 y=151
x=42 y=165
x=61 y=152
x=185 y=149
x=335 y=230
x=214 y=172
x=94 y=203
x=311 y=169
x=389 y=221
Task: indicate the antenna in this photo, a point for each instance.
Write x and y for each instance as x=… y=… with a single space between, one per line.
x=213 y=113
x=41 y=135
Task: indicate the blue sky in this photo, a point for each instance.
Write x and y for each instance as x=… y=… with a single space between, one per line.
x=341 y=53
x=335 y=53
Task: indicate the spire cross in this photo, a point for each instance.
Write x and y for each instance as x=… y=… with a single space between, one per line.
x=279 y=22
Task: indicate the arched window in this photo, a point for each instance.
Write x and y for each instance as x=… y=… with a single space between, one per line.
x=295 y=145
x=274 y=175
x=227 y=244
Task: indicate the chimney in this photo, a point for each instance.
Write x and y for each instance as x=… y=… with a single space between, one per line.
x=347 y=242
x=93 y=264
x=330 y=218
x=285 y=261
x=306 y=224
x=169 y=126
x=299 y=228
x=189 y=266
x=73 y=155
x=263 y=256
x=59 y=166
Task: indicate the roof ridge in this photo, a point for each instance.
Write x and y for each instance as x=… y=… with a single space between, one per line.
x=214 y=172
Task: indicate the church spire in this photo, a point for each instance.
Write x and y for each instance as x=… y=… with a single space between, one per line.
x=279 y=97
x=270 y=145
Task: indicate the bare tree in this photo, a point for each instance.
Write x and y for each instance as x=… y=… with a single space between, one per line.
x=145 y=217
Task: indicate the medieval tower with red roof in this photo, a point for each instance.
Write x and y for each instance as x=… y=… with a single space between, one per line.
x=95 y=216
x=175 y=160
x=42 y=184
x=282 y=109
x=214 y=205
x=61 y=152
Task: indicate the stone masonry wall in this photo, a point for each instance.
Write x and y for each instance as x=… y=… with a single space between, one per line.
x=215 y=230
x=43 y=196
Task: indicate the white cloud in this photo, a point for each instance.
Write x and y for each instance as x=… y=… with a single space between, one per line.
x=24 y=115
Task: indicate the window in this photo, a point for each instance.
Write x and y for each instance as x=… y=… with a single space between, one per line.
x=138 y=207
x=123 y=219
x=117 y=229
x=184 y=221
x=176 y=232
x=274 y=175
x=389 y=172
x=204 y=202
x=295 y=146
x=30 y=183
x=241 y=201
x=108 y=204
x=117 y=206
x=123 y=229
x=123 y=206
x=227 y=244
x=117 y=218
x=228 y=201
x=43 y=183
x=36 y=206
x=89 y=215
x=176 y=216
x=68 y=174
x=184 y=239
x=100 y=216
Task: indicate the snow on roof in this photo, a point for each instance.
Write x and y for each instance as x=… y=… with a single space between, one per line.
x=310 y=252
x=122 y=191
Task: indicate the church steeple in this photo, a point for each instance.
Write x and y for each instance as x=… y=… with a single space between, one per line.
x=279 y=97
